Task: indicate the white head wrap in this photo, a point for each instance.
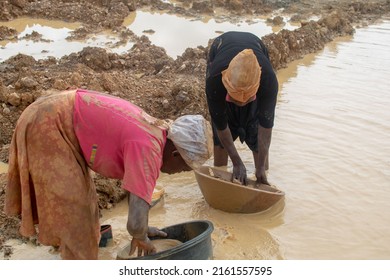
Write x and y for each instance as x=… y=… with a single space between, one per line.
x=192 y=136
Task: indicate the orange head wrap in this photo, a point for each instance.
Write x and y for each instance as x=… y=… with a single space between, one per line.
x=242 y=77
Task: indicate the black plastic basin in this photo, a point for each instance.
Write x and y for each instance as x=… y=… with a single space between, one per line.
x=196 y=238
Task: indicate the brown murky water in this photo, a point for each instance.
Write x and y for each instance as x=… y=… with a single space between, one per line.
x=331 y=151
x=55 y=33
x=330 y=154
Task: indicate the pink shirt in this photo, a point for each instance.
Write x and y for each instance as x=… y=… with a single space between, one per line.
x=117 y=141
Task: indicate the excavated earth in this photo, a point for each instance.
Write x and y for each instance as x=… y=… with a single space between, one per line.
x=146 y=75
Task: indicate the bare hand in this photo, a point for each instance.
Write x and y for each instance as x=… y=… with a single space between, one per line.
x=262 y=176
x=239 y=174
x=153 y=231
x=144 y=246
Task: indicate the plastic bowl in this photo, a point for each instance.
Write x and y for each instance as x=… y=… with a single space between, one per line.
x=220 y=193
x=196 y=242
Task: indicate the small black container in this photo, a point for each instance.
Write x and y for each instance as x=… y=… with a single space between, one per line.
x=196 y=238
x=105 y=235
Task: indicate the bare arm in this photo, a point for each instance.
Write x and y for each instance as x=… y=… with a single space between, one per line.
x=239 y=170
x=137 y=226
x=137 y=218
x=264 y=141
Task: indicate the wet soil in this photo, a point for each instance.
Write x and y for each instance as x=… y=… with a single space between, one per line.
x=164 y=87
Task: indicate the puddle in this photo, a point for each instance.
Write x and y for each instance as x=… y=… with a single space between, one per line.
x=53 y=42
x=175 y=35
x=178 y=33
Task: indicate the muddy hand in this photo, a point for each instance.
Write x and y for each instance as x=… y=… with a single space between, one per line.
x=262 y=177
x=153 y=231
x=239 y=174
x=144 y=247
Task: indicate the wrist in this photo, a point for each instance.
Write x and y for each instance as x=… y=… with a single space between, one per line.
x=138 y=230
x=140 y=236
x=260 y=171
x=236 y=161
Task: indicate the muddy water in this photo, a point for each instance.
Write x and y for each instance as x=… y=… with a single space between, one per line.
x=55 y=41
x=330 y=153
x=149 y=24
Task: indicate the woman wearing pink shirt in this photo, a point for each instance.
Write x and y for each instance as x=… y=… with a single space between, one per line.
x=60 y=137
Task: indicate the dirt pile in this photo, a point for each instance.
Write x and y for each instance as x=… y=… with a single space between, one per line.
x=146 y=75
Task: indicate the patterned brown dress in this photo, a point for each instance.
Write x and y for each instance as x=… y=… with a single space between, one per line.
x=61 y=204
